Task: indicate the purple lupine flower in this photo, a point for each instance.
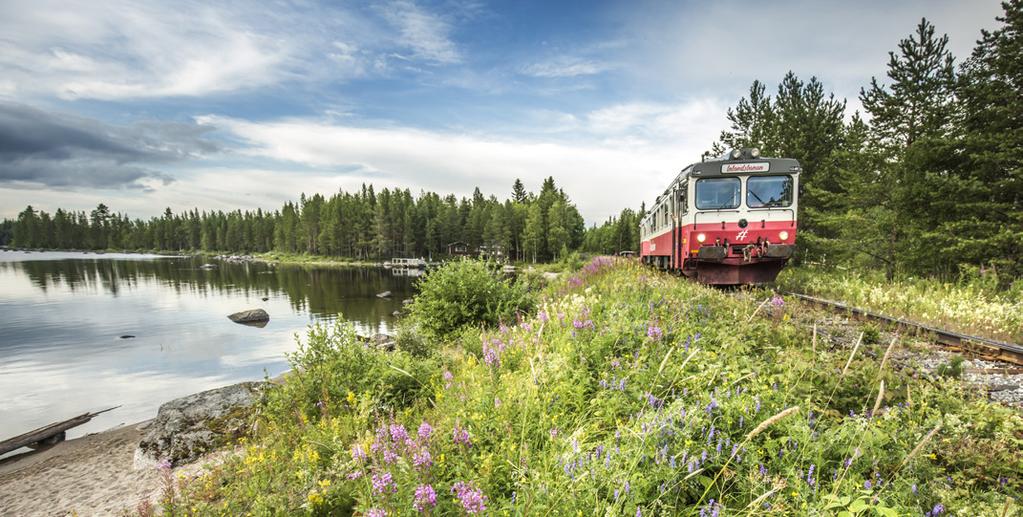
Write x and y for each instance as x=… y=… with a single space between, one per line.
x=426 y=498
x=654 y=332
x=938 y=510
x=712 y=405
x=448 y=375
x=358 y=454
x=390 y=456
x=461 y=436
x=578 y=324
x=639 y=512
x=491 y=355
x=778 y=301
x=628 y=487
x=425 y=430
x=472 y=499
x=615 y=363
x=542 y=316
x=554 y=432
x=164 y=465
x=383 y=482
x=913 y=488
x=422 y=459
x=763 y=470
x=353 y=475
x=867 y=484
x=809 y=475
x=376 y=512
x=398 y=433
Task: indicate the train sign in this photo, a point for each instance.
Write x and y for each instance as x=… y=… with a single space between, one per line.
x=746 y=167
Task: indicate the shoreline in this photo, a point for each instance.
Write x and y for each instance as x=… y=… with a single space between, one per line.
x=101 y=473
x=95 y=474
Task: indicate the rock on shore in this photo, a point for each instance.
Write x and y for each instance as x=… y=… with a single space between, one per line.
x=187 y=427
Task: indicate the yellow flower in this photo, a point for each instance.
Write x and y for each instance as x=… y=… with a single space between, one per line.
x=324 y=483
x=795 y=493
x=932 y=456
x=350 y=397
x=441 y=460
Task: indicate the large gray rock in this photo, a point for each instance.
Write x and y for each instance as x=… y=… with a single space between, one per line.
x=250 y=316
x=188 y=427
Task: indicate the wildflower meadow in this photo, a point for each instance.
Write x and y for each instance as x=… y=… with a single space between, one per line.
x=621 y=391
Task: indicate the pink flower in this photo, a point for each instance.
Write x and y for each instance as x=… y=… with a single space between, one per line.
x=425 y=430
x=461 y=436
x=426 y=498
x=472 y=499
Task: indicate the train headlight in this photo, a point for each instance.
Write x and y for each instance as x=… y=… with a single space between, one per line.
x=700 y=237
x=755 y=153
x=783 y=235
x=736 y=153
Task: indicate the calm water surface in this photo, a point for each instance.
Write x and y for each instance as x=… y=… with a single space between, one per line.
x=62 y=316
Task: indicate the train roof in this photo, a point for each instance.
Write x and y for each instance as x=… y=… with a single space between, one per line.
x=736 y=162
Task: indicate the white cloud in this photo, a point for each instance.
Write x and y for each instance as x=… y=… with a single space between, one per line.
x=426 y=34
x=125 y=49
x=565 y=67
x=614 y=158
x=113 y=50
x=722 y=46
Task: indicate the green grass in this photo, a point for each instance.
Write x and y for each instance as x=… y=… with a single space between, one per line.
x=627 y=392
x=973 y=306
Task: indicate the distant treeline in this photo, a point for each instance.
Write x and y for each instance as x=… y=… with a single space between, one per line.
x=931 y=182
x=361 y=225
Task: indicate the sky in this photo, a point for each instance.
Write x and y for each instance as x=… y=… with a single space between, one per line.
x=144 y=105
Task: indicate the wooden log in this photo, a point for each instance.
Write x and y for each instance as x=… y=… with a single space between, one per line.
x=53 y=431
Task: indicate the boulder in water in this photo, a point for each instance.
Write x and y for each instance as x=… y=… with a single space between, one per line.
x=251 y=316
x=188 y=427
x=385 y=294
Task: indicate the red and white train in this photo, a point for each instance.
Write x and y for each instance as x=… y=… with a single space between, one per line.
x=727 y=221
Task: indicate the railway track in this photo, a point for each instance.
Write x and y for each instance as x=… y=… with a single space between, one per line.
x=983 y=347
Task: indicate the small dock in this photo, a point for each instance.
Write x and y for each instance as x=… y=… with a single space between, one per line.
x=405 y=263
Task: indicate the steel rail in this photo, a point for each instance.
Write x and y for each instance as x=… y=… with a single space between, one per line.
x=977 y=345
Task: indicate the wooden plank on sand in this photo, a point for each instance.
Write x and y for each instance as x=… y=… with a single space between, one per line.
x=43 y=433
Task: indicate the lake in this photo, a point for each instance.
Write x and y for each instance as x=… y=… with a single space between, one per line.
x=62 y=316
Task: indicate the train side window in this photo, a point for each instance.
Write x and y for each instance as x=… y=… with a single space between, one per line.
x=717 y=193
x=683 y=198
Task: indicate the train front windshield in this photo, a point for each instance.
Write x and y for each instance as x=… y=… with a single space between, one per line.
x=768 y=191
x=717 y=193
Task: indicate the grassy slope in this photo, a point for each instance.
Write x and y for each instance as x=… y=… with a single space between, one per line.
x=976 y=307
x=631 y=392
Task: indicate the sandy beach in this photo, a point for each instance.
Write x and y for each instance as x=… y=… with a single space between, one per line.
x=92 y=475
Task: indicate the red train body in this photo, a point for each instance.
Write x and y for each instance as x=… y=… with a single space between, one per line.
x=728 y=221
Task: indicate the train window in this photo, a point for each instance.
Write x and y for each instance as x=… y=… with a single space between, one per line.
x=768 y=191
x=717 y=193
x=683 y=198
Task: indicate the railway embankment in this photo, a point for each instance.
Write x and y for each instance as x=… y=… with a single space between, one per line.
x=619 y=390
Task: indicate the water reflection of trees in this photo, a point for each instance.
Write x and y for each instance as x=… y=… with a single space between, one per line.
x=321 y=292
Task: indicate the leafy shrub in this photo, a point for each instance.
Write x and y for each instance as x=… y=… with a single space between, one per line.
x=953 y=368
x=464 y=293
x=333 y=362
x=410 y=339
